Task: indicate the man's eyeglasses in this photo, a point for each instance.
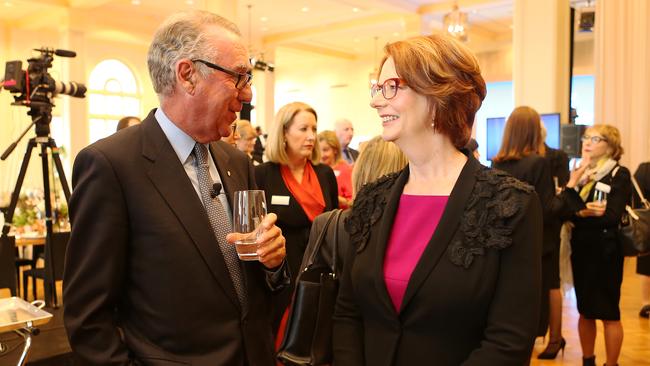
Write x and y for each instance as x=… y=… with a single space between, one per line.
x=388 y=88
x=242 y=79
x=594 y=139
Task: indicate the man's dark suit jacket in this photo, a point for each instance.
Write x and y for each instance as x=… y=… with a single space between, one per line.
x=258 y=149
x=143 y=258
x=353 y=153
x=482 y=263
x=642 y=176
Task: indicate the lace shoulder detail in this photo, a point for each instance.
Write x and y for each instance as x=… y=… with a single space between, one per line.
x=493 y=210
x=367 y=209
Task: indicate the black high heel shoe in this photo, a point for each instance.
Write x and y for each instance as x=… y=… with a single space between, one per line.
x=589 y=361
x=552 y=349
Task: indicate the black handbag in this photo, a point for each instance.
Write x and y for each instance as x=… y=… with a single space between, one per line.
x=308 y=335
x=634 y=232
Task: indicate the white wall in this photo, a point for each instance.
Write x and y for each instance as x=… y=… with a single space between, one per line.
x=334 y=87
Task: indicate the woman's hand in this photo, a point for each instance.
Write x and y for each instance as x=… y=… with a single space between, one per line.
x=594 y=209
x=577 y=173
x=344 y=202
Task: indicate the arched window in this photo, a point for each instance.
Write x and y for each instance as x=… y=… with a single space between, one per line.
x=113 y=94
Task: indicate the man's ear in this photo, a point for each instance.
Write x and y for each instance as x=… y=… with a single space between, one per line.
x=186 y=75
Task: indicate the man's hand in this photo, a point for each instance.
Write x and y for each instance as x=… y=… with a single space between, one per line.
x=271 y=241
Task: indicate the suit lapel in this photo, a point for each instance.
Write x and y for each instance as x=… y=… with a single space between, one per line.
x=382 y=233
x=168 y=176
x=445 y=230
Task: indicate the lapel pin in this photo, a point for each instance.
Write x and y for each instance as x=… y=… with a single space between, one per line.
x=228 y=172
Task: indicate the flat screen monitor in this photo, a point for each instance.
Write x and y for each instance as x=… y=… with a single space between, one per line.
x=496 y=126
x=552 y=123
x=494 y=134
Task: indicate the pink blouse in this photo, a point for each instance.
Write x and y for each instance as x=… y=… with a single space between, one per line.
x=415 y=222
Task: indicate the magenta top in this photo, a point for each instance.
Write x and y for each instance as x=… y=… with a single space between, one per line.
x=415 y=222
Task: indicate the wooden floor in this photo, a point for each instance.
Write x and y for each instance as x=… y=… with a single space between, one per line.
x=636 y=344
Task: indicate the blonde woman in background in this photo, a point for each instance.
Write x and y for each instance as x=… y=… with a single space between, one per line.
x=596 y=253
x=330 y=154
x=298 y=188
x=376 y=159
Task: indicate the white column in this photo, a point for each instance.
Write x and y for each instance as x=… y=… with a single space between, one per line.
x=622 y=53
x=541 y=55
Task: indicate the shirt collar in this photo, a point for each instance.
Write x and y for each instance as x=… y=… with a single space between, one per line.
x=181 y=142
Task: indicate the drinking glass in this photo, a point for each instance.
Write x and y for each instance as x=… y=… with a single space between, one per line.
x=248 y=212
x=600 y=197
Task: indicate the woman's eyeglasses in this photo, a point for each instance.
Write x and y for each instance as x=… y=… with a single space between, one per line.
x=242 y=79
x=594 y=139
x=388 y=88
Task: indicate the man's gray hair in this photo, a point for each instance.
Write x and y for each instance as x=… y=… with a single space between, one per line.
x=181 y=36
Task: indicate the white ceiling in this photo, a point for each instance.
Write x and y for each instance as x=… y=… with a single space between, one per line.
x=341 y=28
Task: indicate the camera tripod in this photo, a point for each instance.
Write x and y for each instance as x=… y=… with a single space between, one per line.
x=41 y=113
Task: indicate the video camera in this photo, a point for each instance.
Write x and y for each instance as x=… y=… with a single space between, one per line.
x=36 y=87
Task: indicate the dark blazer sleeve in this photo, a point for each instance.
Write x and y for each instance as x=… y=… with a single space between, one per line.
x=348 y=341
x=617 y=199
x=642 y=176
x=513 y=314
x=95 y=261
x=330 y=191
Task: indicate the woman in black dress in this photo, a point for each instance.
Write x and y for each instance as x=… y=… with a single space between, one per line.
x=297 y=187
x=642 y=176
x=522 y=155
x=594 y=201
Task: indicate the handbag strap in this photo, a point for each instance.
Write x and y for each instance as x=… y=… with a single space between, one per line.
x=335 y=244
x=640 y=192
x=334 y=214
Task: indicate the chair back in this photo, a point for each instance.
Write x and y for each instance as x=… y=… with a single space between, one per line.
x=7 y=268
x=59 y=244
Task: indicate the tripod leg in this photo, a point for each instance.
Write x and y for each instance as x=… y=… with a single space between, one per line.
x=49 y=281
x=59 y=169
x=9 y=215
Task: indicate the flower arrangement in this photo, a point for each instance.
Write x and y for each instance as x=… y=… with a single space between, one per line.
x=29 y=216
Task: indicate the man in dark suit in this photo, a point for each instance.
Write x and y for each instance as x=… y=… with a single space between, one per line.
x=151 y=277
x=260 y=145
x=345 y=132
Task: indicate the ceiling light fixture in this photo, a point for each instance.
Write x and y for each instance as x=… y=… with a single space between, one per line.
x=455 y=23
x=304 y=9
x=356 y=10
x=136 y=2
x=257 y=61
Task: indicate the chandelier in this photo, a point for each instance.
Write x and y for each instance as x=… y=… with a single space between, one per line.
x=455 y=23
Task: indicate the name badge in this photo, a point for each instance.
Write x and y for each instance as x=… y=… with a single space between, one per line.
x=280 y=200
x=603 y=187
